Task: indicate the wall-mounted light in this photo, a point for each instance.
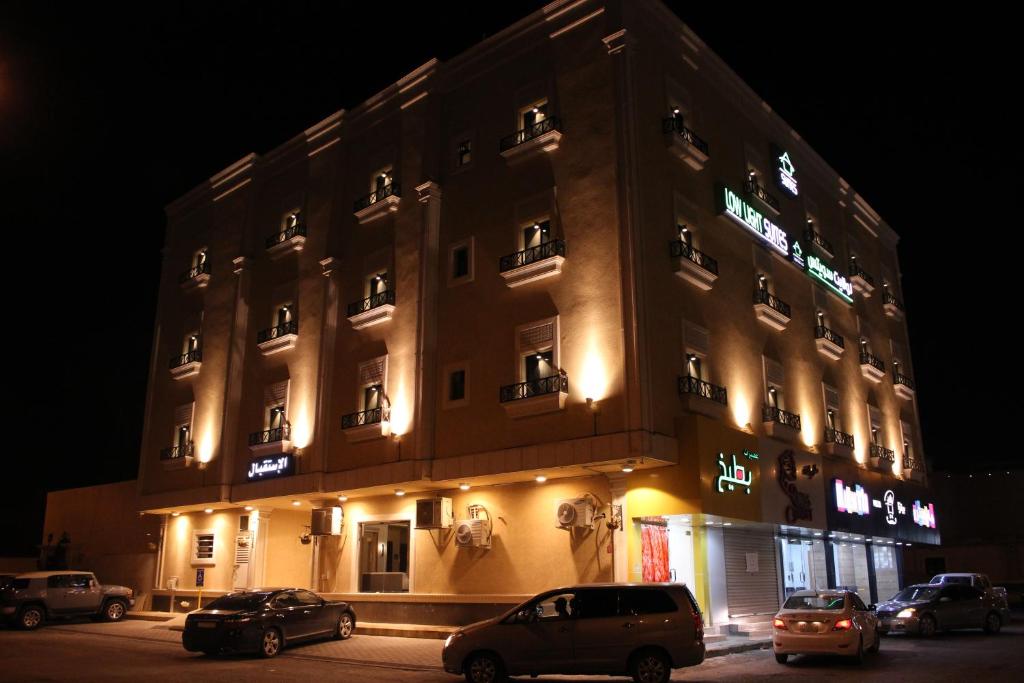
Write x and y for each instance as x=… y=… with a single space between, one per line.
x=399 y=492
x=296 y=503
x=675 y=110
x=809 y=471
x=540 y=479
x=175 y=514
x=343 y=498
x=208 y=510
x=628 y=466
x=248 y=508
x=463 y=486
x=536 y=110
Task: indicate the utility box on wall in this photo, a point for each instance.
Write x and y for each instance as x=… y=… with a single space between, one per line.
x=327 y=521
x=434 y=513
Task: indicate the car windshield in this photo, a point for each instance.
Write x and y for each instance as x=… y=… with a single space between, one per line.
x=239 y=601
x=824 y=601
x=916 y=594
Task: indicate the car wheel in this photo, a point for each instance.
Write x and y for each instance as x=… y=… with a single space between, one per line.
x=114 y=610
x=927 y=627
x=858 y=656
x=484 y=668
x=31 y=618
x=993 y=622
x=781 y=659
x=346 y=624
x=270 y=644
x=877 y=644
x=651 y=667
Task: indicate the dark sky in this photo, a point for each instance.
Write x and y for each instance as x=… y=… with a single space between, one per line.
x=106 y=116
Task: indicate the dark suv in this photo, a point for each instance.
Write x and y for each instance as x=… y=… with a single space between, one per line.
x=643 y=630
x=35 y=597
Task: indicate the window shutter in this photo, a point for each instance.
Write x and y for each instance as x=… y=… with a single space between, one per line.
x=696 y=338
x=371 y=372
x=908 y=431
x=539 y=335
x=774 y=372
x=276 y=395
x=831 y=398
x=183 y=414
x=875 y=417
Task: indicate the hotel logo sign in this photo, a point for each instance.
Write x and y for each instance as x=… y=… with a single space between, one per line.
x=830 y=277
x=750 y=218
x=785 y=172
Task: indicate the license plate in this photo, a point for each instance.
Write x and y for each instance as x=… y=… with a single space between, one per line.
x=206 y=624
x=898 y=623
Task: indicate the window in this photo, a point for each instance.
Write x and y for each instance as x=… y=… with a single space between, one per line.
x=875 y=422
x=372 y=381
x=283 y=314
x=832 y=414
x=597 y=604
x=774 y=379
x=285 y=600
x=384 y=557
x=858 y=604
x=203 y=545
x=695 y=349
x=182 y=435
x=756 y=164
x=199 y=260
x=533 y=114
x=555 y=607
x=306 y=598
x=460 y=262
x=536 y=233
x=537 y=350
x=275 y=406
x=191 y=342
x=908 y=439
x=372 y=397
x=464 y=153
x=640 y=601
x=291 y=219
x=381 y=183
x=79 y=581
x=377 y=283
x=58 y=581
x=457 y=385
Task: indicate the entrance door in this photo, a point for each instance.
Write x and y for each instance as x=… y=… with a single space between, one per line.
x=680 y=553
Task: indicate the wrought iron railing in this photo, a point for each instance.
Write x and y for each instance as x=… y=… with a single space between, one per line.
x=392 y=189
x=365 y=417
x=680 y=248
x=822 y=332
x=867 y=358
x=763 y=296
x=837 y=437
x=857 y=271
x=286 y=234
x=912 y=463
x=815 y=237
x=888 y=298
x=673 y=125
x=899 y=378
x=193 y=356
x=371 y=302
x=530 y=132
x=698 y=387
x=175 y=452
x=290 y=327
x=534 y=387
x=780 y=416
x=532 y=255
x=195 y=271
x=753 y=187
x=282 y=433
x=879 y=451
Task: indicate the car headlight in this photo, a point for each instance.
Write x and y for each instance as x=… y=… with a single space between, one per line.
x=903 y=614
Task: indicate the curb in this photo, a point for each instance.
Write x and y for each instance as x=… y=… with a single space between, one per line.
x=741 y=647
x=142 y=616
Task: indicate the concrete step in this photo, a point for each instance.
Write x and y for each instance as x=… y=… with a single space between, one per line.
x=142 y=615
x=710 y=638
x=366 y=628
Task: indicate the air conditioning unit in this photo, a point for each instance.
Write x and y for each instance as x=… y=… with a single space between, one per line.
x=575 y=512
x=434 y=513
x=327 y=521
x=473 y=533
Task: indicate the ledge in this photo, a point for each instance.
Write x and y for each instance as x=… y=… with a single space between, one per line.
x=828 y=348
x=696 y=275
x=186 y=369
x=872 y=373
x=686 y=151
x=178 y=463
x=903 y=391
x=200 y=281
x=893 y=311
x=545 y=142
x=535 y=405
x=294 y=244
x=374 y=316
x=777 y=430
x=531 y=272
x=276 y=344
x=695 y=403
x=862 y=285
x=374 y=430
x=378 y=209
x=770 y=317
x=837 y=450
x=262 y=450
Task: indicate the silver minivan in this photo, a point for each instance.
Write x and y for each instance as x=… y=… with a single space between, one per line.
x=643 y=630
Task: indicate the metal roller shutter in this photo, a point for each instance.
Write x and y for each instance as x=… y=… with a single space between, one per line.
x=751 y=592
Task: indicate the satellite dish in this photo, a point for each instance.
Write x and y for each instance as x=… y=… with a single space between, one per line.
x=566 y=514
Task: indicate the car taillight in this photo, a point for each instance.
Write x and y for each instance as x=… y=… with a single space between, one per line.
x=698 y=625
x=779 y=624
x=843 y=625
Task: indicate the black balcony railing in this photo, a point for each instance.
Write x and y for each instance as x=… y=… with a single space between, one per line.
x=900 y=378
x=365 y=417
x=879 y=451
x=530 y=132
x=857 y=271
x=888 y=298
x=676 y=127
x=193 y=356
x=371 y=302
x=837 y=437
x=698 y=387
x=290 y=327
x=763 y=296
x=753 y=187
x=195 y=271
x=286 y=234
x=815 y=237
x=912 y=463
x=534 y=387
x=532 y=255
x=780 y=416
x=822 y=332
x=282 y=433
x=867 y=358
x=392 y=189
x=175 y=452
x=680 y=248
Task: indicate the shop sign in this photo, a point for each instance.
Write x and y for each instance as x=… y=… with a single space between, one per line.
x=894 y=514
x=799 y=502
x=750 y=218
x=274 y=466
x=736 y=474
x=830 y=277
x=785 y=172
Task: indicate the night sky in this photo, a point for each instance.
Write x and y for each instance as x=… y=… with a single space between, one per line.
x=105 y=117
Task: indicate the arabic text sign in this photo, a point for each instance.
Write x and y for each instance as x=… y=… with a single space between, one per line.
x=830 y=277
x=274 y=466
x=735 y=474
x=753 y=220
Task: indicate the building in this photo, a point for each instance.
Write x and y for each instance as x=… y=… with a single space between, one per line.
x=575 y=305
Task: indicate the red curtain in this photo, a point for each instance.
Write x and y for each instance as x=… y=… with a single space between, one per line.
x=654 y=551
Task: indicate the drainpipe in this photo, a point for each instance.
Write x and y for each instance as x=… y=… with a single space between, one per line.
x=158 y=577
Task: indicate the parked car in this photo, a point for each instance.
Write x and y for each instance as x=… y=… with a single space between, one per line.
x=925 y=609
x=825 y=622
x=643 y=630
x=37 y=596
x=6 y=580
x=979 y=581
x=264 y=620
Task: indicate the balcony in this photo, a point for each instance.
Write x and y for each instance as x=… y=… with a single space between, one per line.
x=271 y=441
x=871 y=367
x=531 y=141
x=893 y=306
x=829 y=343
x=685 y=144
x=535 y=397
x=838 y=443
x=196 y=277
x=693 y=265
x=279 y=338
x=880 y=456
x=535 y=263
x=818 y=240
x=291 y=239
x=366 y=425
x=912 y=468
x=780 y=424
x=378 y=203
x=861 y=281
x=772 y=311
x=177 y=457
x=373 y=310
x=187 y=364
x=903 y=385
x=754 y=189
x=703 y=398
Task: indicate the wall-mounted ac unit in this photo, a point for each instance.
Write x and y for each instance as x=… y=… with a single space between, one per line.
x=327 y=521
x=574 y=512
x=473 y=533
x=434 y=513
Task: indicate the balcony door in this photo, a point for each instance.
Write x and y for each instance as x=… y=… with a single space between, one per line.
x=378 y=283
x=533 y=115
x=537 y=234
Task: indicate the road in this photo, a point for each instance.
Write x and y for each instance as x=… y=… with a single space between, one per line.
x=124 y=652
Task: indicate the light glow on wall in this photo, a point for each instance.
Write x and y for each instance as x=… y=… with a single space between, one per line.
x=302 y=431
x=740 y=408
x=401 y=413
x=594 y=376
x=205 y=451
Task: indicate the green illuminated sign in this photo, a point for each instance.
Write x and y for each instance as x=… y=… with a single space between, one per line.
x=830 y=277
x=735 y=474
x=750 y=218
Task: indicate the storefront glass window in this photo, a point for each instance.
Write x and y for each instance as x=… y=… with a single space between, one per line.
x=887 y=577
x=803 y=565
x=851 y=566
x=384 y=557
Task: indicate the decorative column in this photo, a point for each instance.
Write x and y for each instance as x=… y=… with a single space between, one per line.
x=429 y=194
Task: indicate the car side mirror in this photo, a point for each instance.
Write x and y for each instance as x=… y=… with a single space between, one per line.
x=872 y=607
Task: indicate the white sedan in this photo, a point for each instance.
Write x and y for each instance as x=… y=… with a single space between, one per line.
x=825 y=622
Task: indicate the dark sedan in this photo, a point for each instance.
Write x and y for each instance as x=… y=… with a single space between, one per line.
x=263 y=620
x=926 y=609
